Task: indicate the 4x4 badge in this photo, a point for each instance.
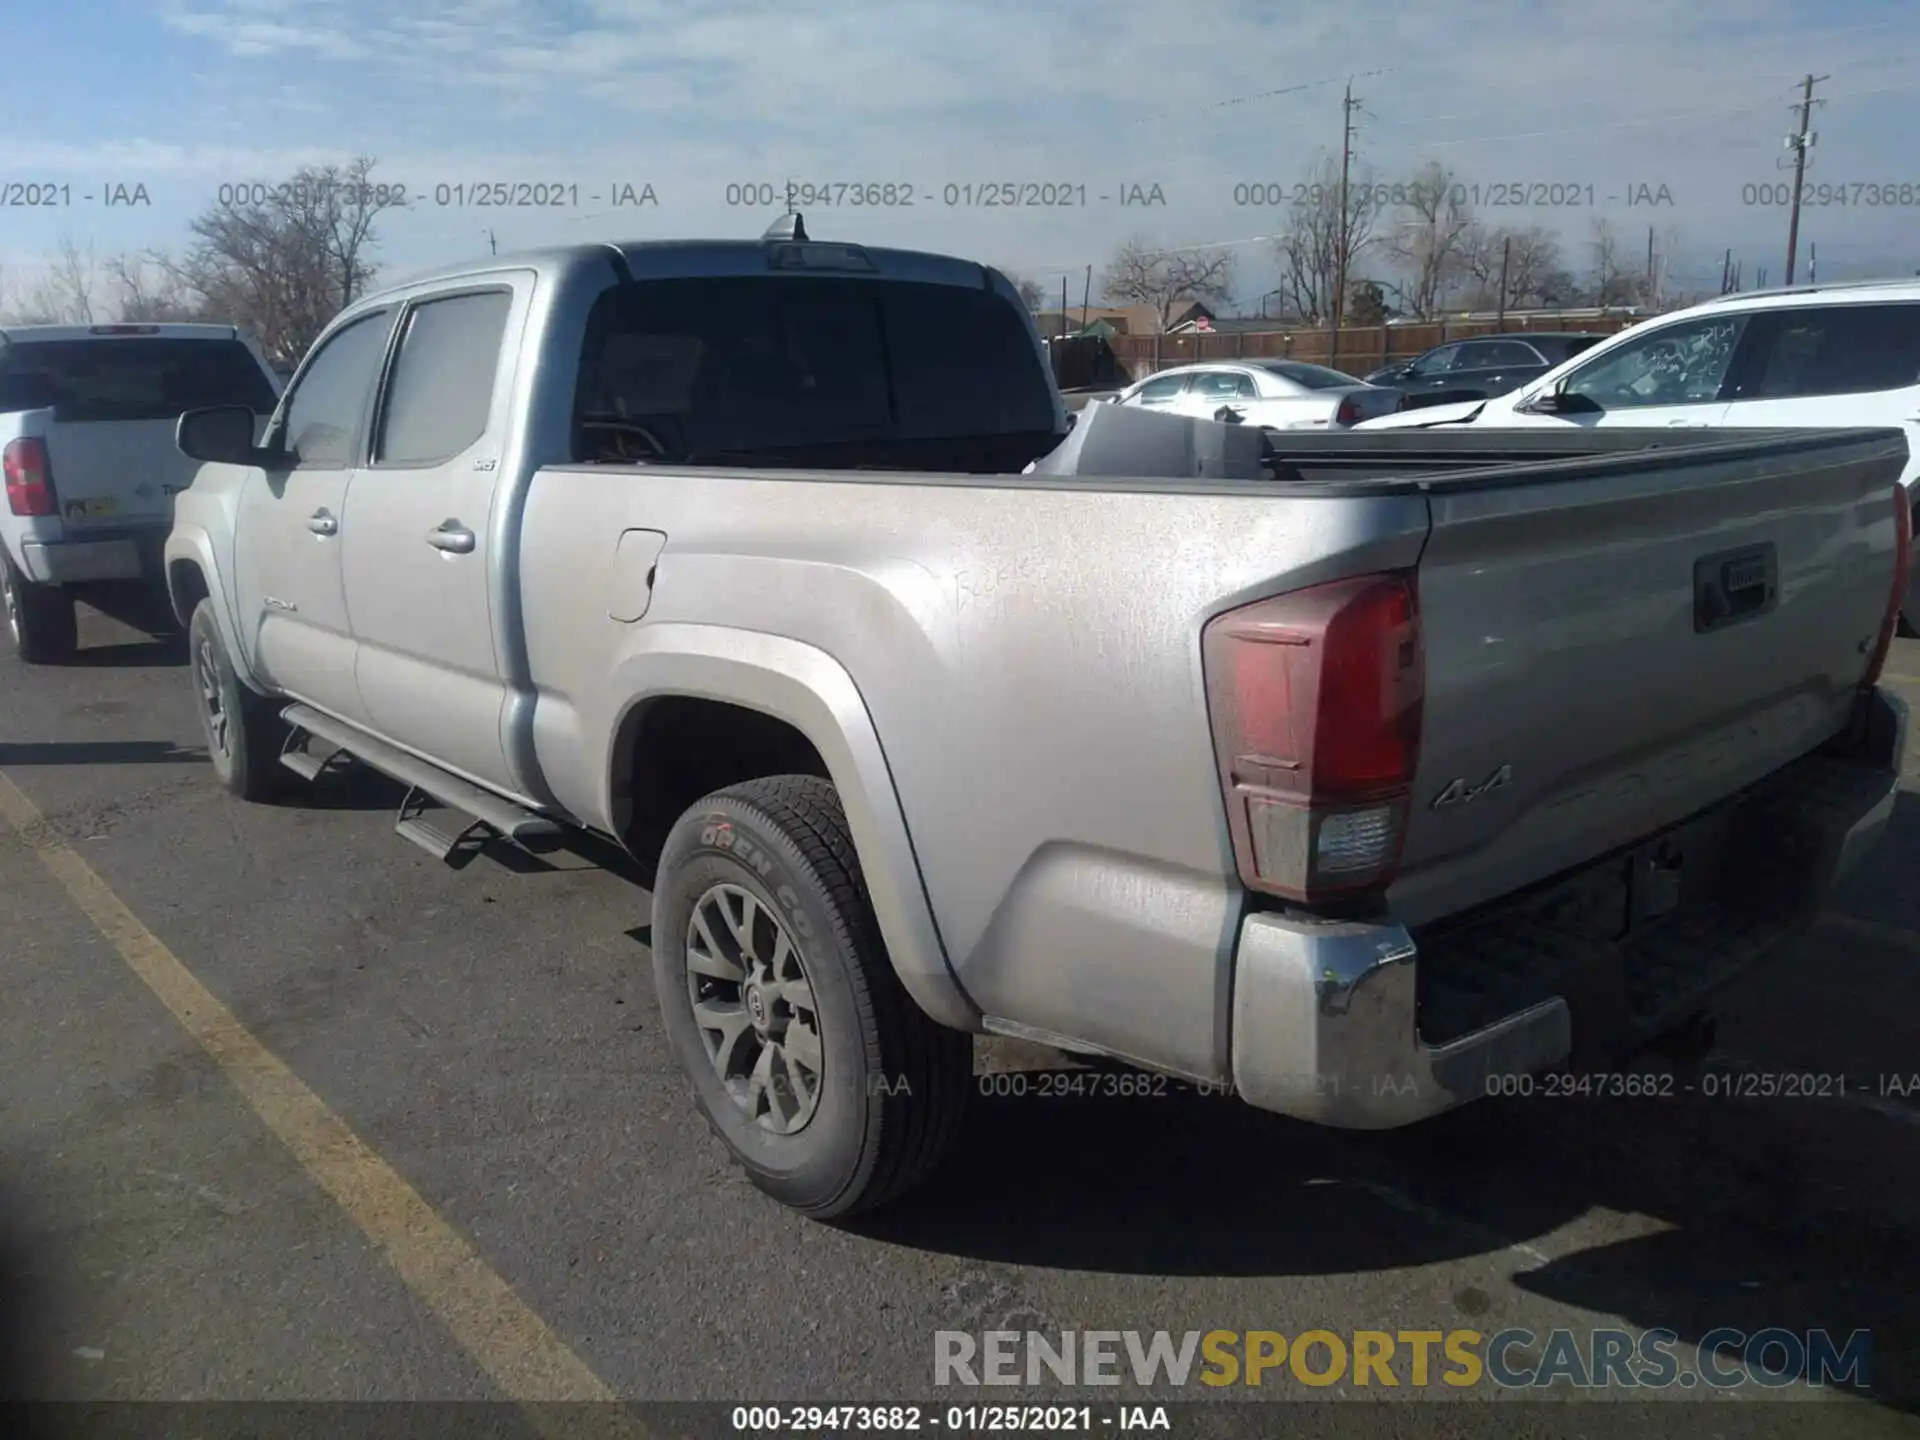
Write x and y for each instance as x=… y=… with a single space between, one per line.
x=1460 y=792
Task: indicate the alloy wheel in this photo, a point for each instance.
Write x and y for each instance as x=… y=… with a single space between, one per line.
x=754 y=1006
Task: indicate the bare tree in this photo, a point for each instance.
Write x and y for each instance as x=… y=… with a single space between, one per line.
x=150 y=290
x=1429 y=243
x=1323 y=240
x=1535 y=273
x=1032 y=294
x=66 y=292
x=1138 y=274
x=1610 y=282
x=285 y=267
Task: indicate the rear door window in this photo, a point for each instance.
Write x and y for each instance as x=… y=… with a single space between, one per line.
x=143 y=377
x=1223 y=385
x=1836 y=350
x=441 y=391
x=1162 y=389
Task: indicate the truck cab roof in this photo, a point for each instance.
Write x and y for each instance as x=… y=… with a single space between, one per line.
x=698 y=259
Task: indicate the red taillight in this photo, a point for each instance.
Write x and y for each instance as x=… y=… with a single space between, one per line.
x=1315 y=699
x=29 y=477
x=1902 y=571
x=1349 y=411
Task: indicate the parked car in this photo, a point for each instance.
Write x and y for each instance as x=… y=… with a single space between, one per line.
x=1273 y=394
x=1486 y=365
x=626 y=540
x=1828 y=356
x=87 y=418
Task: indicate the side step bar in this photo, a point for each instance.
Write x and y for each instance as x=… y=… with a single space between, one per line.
x=426 y=782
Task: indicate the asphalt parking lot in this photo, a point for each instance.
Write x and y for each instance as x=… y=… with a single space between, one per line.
x=531 y=1210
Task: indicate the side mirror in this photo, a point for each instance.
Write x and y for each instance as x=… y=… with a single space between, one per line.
x=221 y=434
x=1227 y=415
x=1559 y=401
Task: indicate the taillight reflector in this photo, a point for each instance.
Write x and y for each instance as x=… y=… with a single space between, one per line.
x=29 y=477
x=1902 y=572
x=1315 y=699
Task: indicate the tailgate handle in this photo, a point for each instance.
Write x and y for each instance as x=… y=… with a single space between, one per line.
x=1735 y=585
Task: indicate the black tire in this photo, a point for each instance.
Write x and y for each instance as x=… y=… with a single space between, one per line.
x=893 y=1085
x=247 y=759
x=40 y=618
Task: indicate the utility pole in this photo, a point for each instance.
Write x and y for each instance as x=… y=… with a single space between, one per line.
x=1726 y=270
x=1798 y=142
x=1506 y=254
x=1063 y=307
x=1813 y=263
x=492 y=249
x=1344 y=228
x=1653 y=298
x=1086 y=298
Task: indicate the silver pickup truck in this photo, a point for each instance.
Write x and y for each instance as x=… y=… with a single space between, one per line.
x=1355 y=777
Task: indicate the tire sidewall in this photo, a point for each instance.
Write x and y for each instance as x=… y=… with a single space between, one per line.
x=721 y=841
x=203 y=628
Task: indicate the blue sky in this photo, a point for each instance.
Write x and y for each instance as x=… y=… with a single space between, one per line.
x=182 y=96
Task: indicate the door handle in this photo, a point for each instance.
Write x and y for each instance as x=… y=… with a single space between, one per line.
x=321 y=522
x=452 y=537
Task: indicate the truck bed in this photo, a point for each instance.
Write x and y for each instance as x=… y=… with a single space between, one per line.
x=1028 y=650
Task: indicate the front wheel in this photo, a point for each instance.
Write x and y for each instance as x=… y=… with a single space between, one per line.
x=40 y=618
x=829 y=1086
x=244 y=732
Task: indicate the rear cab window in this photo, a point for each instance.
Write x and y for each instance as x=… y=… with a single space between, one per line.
x=136 y=377
x=804 y=370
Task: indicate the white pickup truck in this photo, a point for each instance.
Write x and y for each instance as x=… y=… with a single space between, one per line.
x=87 y=415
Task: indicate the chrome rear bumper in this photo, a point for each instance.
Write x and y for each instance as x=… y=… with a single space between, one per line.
x=1326 y=1014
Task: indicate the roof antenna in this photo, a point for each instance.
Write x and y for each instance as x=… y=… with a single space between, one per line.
x=787 y=227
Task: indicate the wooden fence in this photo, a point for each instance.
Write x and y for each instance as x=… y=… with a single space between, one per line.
x=1358 y=349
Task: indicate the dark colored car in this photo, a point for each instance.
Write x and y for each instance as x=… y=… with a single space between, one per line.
x=1483 y=366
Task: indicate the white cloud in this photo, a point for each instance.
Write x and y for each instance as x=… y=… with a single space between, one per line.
x=693 y=95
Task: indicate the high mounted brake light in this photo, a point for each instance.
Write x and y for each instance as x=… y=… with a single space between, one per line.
x=29 y=477
x=123 y=330
x=1902 y=572
x=1315 y=698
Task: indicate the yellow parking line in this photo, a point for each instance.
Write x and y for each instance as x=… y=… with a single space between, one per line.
x=529 y=1363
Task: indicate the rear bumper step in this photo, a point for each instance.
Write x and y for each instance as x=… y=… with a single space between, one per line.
x=1358 y=1025
x=534 y=833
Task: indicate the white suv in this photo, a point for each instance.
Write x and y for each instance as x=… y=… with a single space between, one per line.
x=1830 y=355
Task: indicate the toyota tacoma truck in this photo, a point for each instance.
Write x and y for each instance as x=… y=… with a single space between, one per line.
x=87 y=415
x=1355 y=773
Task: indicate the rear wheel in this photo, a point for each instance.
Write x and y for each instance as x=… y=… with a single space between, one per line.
x=829 y=1086
x=40 y=618
x=244 y=731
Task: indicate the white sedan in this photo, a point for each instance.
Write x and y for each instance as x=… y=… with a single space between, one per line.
x=1273 y=394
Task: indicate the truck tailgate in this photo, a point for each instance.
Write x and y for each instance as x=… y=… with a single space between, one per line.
x=1613 y=651
x=111 y=473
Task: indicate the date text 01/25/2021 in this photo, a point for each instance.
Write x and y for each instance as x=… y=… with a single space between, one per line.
x=964 y=195
x=1496 y=195
x=952 y=1419
x=472 y=194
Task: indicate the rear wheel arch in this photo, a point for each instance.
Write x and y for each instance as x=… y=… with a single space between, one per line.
x=777 y=706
